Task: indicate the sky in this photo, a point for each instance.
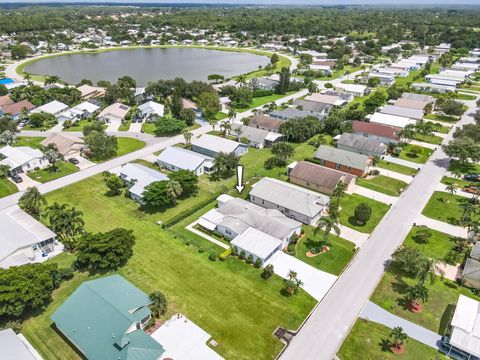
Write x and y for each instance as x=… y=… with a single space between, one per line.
x=268 y=2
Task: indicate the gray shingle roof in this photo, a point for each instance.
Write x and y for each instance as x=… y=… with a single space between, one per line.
x=290 y=113
x=319 y=175
x=360 y=142
x=472 y=269
x=343 y=157
x=416 y=114
x=312 y=105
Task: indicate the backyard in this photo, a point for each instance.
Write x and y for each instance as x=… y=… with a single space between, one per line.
x=349 y=202
x=383 y=184
x=437 y=208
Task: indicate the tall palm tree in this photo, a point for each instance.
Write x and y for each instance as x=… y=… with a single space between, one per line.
x=468 y=209
x=232 y=113
x=417 y=294
x=32 y=201
x=28 y=78
x=174 y=190
x=398 y=336
x=213 y=123
x=328 y=223
x=339 y=191
x=426 y=270
x=451 y=189
x=187 y=136
x=66 y=222
x=225 y=126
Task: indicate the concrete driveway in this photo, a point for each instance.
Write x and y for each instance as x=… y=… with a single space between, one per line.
x=82 y=162
x=315 y=282
x=113 y=125
x=26 y=183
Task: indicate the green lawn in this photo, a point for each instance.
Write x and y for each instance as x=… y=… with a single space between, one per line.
x=125 y=126
x=432 y=139
x=464 y=168
x=333 y=261
x=444 y=118
x=383 y=184
x=439 y=247
x=7 y=188
x=443 y=296
x=396 y=167
x=44 y=127
x=262 y=100
x=460 y=183
x=349 y=202
x=368 y=339
x=148 y=128
x=81 y=124
x=220 y=115
x=459 y=96
x=63 y=168
x=421 y=158
x=127 y=145
x=445 y=207
x=227 y=299
x=33 y=141
x=443 y=129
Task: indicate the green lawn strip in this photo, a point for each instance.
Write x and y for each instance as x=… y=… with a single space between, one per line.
x=412 y=76
x=432 y=139
x=81 y=125
x=445 y=207
x=334 y=260
x=383 y=184
x=220 y=115
x=401 y=169
x=421 y=158
x=44 y=127
x=125 y=126
x=148 y=128
x=126 y=145
x=442 y=129
x=369 y=338
x=337 y=73
x=7 y=188
x=33 y=141
x=349 y=202
x=444 y=118
x=147 y=164
x=193 y=285
x=460 y=96
x=262 y=100
x=470 y=88
x=460 y=183
x=443 y=296
x=464 y=168
x=44 y=175
x=439 y=246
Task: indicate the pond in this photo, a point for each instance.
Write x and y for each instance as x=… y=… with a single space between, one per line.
x=148 y=64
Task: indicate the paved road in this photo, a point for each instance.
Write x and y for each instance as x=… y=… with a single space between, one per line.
x=323 y=332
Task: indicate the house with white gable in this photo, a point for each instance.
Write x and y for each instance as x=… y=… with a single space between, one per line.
x=151 y=108
x=22 y=159
x=53 y=107
x=175 y=158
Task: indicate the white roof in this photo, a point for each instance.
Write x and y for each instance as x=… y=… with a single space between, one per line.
x=183 y=158
x=53 y=107
x=152 y=107
x=466 y=326
x=19 y=156
x=391 y=120
x=13 y=348
x=256 y=243
x=86 y=106
x=143 y=175
x=216 y=143
x=352 y=87
x=19 y=230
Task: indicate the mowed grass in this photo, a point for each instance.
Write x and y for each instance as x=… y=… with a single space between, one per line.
x=432 y=139
x=33 y=141
x=334 y=261
x=63 y=168
x=383 y=184
x=445 y=207
x=81 y=125
x=444 y=118
x=368 y=339
x=227 y=299
x=459 y=183
x=7 y=188
x=262 y=100
x=455 y=165
x=349 y=202
x=401 y=169
x=406 y=154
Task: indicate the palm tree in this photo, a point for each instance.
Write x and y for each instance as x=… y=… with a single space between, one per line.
x=158 y=303
x=213 y=123
x=457 y=173
x=242 y=79
x=451 y=189
x=225 y=126
x=187 y=136
x=468 y=210
x=328 y=223
x=312 y=87
x=398 y=337
x=417 y=294
x=32 y=201
x=28 y=77
x=65 y=222
x=339 y=191
x=174 y=190
x=232 y=113
x=426 y=270
x=291 y=285
x=52 y=79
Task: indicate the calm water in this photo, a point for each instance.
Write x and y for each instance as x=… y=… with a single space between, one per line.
x=146 y=65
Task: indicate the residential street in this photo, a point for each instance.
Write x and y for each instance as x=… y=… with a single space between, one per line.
x=323 y=332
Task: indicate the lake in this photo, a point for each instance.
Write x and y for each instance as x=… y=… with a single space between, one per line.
x=148 y=64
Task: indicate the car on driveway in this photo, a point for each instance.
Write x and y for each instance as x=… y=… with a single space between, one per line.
x=74 y=161
x=472 y=177
x=17 y=178
x=472 y=189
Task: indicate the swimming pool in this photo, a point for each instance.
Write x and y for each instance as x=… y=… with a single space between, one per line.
x=6 y=81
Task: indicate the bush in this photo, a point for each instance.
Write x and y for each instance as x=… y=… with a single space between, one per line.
x=294 y=238
x=291 y=250
x=212 y=257
x=374 y=172
x=267 y=272
x=225 y=255
x=186 y=213
x=242 y=255
x=363 y=212
x=249 y=259
x=258 y=263
x=260 y=93
x=201 y=250
x=234 y=250
x=273 y=162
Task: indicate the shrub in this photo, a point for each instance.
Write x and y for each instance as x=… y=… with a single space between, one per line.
x=363 y=211
x=225 y=255
x=294 y=238
x=212 y=257
x=291 y=249
x=249 y=259
x=397 y=150
x=374 y=172
x=260 y=93
x=186 y=213
x=267 y=272
x=258 y=263
x=234 y=250
x=201 y=250
x=242 y=255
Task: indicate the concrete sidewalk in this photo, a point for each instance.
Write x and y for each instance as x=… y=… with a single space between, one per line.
x=398 y=161
x=441 y=226
x=424 y=144
x=375 y=313
x=205 y=236
x=375 y=195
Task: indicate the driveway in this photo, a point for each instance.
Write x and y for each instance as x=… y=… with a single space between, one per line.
x=375 y=195
x=26 y=183
x=395 y=175
x=135 y=127
x=441 y=226
x=398 y=161
x=82 y=162
x=113 y=125
x=315 y=282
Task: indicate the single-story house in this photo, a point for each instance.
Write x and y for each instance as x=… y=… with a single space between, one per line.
x=53 y=107
x=104 y=319
x=418 y=101
x=234 y=216
x=67 y=145
x=343 y=160
x=175 y=158
x=465 y=334
x=24 y=240
x=314 y=107
x=81 y=111
x=434 y=88
x=391 y=120
x=89 y=91
x=264 y=83
x=211 y=145
x=151 y=108
x=354 y=89
x=326 y=99
x=6 y=100
x=342 y=95
x=257 y=138
x=471 y=273
x=257 y=244
x=137 y=177
x=318 y=178
x=22 y=159
x=361 y=144
x=385 y=79
x=15 y=109
x=382 y=132
x=415 y=114
x=291 y=200
x=264 y=122
x=292 y=113
x=114 y=113
x=16 y=347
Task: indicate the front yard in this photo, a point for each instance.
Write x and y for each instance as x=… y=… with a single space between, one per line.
x=383 y=184
x=396 y=167
x=432 y=139
x=421 y=158
x=126 y=145
x=33 y=141
x=349 y=202
x=63 y=168
x=7 y=188
x=445 y=207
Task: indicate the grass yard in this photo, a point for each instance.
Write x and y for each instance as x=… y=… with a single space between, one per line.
x=442 y=129
x=383 y=184
x=349 y=202
x=262 y=100
x=445 y=207
x=444 y=118
x=432 y=139
x=460 y=96
x=396 y=167
x=127 y=145
x=443 y=296
x=193 y=285
x=460 y=183
x=81 y=125
x=7 y=188
x=44 y=175
x=421 y=158
x=148 y=128
x=333 y=261
x=220 y=116
x=125 y=125
x=439 y=246
x=33 y=141
x=369 y=339
x=464 y=168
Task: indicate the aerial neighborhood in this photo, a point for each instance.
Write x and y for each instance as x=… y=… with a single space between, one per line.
x=239 y=182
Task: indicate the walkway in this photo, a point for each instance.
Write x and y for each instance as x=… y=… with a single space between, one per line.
x=459 y=192
x=135 y=127
x=398 y=161
x=352 y=235
x=205 y=236
x=375 y=313
x=424 y=144
x=113 y=126
x=447 y=271
x=375 y=195
x=395 y=175
x=441 y=226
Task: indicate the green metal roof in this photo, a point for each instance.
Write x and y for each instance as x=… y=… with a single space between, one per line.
x=97 y=316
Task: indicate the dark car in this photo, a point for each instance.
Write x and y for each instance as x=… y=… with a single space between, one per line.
x=17 y=178
x=472 y=177
x=74 y=161
x=471 y=189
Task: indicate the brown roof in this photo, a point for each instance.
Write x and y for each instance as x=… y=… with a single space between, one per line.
x=5 y=100
x=66 y=143
x=319 y=175
x=324 y=63
x=366 y=127
x=266 y=122
x=16 y=108
x=412 y=104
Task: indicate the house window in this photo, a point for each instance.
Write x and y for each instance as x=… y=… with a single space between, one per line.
x=337 y=166
x=263 y=202
x=322 y=162
x=348 y=168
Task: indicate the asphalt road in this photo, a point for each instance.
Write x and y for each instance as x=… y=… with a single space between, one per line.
x=322 y=334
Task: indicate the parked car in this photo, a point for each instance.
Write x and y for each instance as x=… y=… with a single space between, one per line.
x=17 y=178
x=472 y=177
x=471 y=189
x=74 y=161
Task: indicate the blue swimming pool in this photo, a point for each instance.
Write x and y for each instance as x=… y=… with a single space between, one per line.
x=6 y=81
